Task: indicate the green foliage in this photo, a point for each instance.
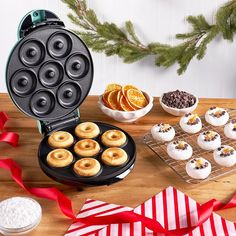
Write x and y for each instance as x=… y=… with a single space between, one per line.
x=113 y=40
x=225 y=20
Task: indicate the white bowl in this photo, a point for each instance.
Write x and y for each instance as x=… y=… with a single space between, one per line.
x=176 y=111
x=126 y=116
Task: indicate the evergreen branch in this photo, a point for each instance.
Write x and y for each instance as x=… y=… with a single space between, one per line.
x=112 y=40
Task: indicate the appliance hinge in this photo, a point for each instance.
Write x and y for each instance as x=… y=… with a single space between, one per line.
x=46 y=127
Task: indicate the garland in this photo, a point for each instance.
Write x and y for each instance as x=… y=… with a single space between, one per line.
x=110 y=39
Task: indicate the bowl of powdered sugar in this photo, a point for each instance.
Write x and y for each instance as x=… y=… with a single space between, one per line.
x=19 y=215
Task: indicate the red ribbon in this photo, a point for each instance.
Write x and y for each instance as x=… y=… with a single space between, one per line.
x=65 y=205
x=8 y=137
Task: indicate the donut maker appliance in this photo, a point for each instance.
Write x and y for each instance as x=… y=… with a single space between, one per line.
x=49 y=74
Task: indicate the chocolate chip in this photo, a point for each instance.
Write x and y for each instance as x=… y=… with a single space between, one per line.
x=233 y=121
x=178 y=99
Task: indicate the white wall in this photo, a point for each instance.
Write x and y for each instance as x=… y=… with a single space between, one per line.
x=155 y=20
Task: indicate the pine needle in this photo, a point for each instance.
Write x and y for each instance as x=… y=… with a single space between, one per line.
x=108 y=38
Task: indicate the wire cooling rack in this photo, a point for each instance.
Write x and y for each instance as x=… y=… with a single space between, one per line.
x=179 y=166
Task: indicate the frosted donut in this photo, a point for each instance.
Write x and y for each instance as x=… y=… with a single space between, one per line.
x=198 y=168
x=87 y=130
x=179 y=150
x=113 y=138
x=59 y=158
x=190 y=123
x=60 y=139
x=225 y=156
x=87 y=167
x=230 y=129
x=114 y=156
x=217 y=116
x=209 y=140
x=163 y=132
x=87 y=148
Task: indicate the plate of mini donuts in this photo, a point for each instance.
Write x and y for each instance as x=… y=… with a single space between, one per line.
x=197 y=148
x=91 y=153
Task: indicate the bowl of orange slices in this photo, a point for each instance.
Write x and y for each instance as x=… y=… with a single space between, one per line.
x=125 y=103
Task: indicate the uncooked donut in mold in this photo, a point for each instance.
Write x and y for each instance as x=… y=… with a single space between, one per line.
x=42 y=103
x=59 y=45
x=69 y=94
x=51 y=74
x=32 y=52
x=77 y=66
x=23 y=82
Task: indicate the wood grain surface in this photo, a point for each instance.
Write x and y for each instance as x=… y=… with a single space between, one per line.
x=150 y=174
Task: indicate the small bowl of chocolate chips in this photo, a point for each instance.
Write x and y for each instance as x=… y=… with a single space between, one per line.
x=178 y=103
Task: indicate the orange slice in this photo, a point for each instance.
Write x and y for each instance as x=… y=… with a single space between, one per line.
x=119 y=96
x=127 y=87
x=105 y=99
x=112 y=87
x=136 y=98
x=124 y=104
x=112 y=100
x=131 y=105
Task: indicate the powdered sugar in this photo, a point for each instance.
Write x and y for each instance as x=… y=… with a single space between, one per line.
x=18 y=212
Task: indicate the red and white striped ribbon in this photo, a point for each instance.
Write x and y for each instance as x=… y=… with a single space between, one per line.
x=172 y=208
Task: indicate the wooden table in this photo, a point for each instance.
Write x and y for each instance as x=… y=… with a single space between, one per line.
x=149 y=176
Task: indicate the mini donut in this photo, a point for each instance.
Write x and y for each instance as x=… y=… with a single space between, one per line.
x=87 y=148
x=217 y=116
x=163 y=132
x=60 y=139
x=87 y=130
x=230 y=129
x=59 y=158
x=114 y=156
x=209 y=140
x=225 y=156
x=113 y=138
x=87 y=167
x=198 y=168
x=190 y=123
x=179 y=150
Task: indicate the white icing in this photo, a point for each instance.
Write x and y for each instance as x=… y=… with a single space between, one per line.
x=188 y=128
x=179 y=154
x=198 y=173
x=226 y=161
x=216 y=121
x=229 y=132
x=208 y=145
x=162 y=136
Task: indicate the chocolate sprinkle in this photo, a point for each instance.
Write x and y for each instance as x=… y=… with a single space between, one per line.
x=212 y=108
x=202 y=166
x=218 y=115
x=233 y=121
x=181 y=148
x=178 y=99
x=194 y=123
